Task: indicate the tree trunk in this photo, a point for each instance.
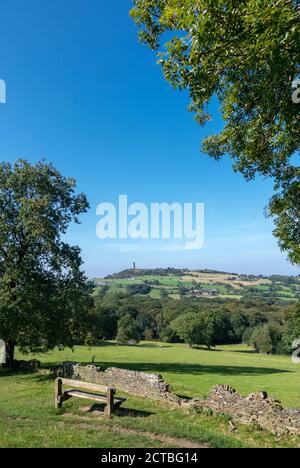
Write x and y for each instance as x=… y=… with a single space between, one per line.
x=10 y=352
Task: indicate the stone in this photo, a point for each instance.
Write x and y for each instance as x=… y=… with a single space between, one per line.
x=232 y=426
x=257 y=408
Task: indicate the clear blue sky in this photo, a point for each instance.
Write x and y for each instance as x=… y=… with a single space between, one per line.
x=84 y=94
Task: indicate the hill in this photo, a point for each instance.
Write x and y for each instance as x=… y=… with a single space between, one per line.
x=176 y=283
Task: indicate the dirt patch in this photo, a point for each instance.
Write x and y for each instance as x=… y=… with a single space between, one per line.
x=6 y=417
x=164 y=439
x=173 y=441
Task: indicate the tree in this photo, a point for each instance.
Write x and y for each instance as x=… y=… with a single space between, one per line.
x=102 y=291
x=246 y=53
x=196 y=328
x=134 y=289
x=266 y=339
x=285 y=207
x=238 y=326
x=163 y=293
x=45 y=299
x=106 y=323
x=188 y=328
x=213 y=327
x=128 y=330
x=261 y=340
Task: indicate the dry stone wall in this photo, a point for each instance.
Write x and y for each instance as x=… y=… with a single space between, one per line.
x=136 y=383
x=256 y=409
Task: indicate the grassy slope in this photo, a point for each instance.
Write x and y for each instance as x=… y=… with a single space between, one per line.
x=193 y=372
x=28 y=419
x=27 y=416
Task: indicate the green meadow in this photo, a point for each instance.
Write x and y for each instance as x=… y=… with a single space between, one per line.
x=193 y=372
x=28 y=417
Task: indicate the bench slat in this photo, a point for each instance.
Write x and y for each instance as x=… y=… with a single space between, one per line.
x=91 y=396
x=85 y=385
x=79 y=394
x=86 y=395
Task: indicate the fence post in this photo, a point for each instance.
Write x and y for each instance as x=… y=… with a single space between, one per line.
x=58 y=393
x=110 y=403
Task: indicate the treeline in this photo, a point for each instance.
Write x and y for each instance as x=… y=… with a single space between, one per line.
x=129 y=273
x=267 y=326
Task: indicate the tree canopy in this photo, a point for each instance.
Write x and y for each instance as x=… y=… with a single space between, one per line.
x=44 y=296
x=199 y=328
x=246 y=53
x=128 y=330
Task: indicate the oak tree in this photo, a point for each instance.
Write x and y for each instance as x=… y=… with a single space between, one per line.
x=45 y=298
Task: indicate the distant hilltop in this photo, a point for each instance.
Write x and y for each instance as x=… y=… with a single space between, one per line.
x=130 y=272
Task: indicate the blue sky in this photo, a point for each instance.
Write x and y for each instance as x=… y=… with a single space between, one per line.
x=84 y=94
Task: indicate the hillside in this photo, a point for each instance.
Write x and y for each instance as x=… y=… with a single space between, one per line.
x=175 y=283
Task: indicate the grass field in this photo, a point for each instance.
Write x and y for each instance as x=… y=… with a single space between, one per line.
x=193 y=372
x=28 y=418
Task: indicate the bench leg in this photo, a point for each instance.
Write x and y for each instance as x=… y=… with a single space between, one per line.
x=109 y=409
x=58 y=393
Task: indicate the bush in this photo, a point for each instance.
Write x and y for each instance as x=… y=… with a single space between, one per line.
x=266 y=339
x=128 y=330
x=134 y=289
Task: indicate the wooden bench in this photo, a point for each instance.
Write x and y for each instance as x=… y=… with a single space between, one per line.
x=109 y=398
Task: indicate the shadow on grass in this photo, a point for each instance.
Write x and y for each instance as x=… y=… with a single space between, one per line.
x=151 y=346
x=121 y=412
x=195 y=369
x=44 y=378
x=176 y=368
x=132 y=413
x=203 y=348
x=8 y=373
x=105 y=344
